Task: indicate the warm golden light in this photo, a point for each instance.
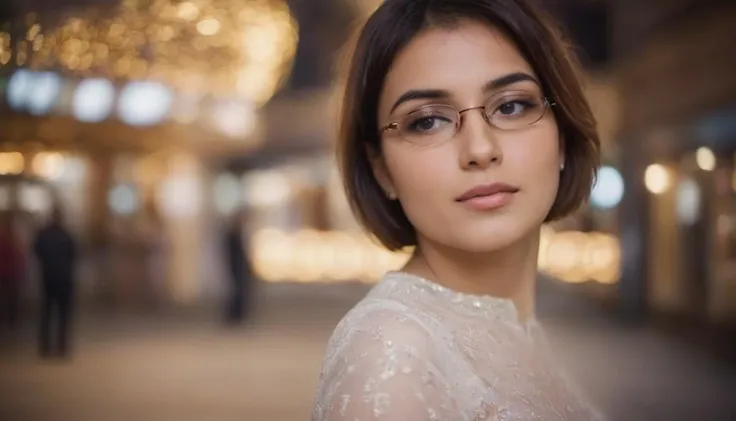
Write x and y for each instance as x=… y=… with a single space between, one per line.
x=576 y=257
x=705 y=158
x=334 y=256
x=5 y=48
x=657 y=179
x=209 y=26
x=188 y=11
x=604 y=256
x=48 y=165
x=11 y=163
x=315 y=256
x=220 y=47
x=565 y=257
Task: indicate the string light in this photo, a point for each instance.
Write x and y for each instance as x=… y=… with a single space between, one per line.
x=217 y=47
x=333 y=256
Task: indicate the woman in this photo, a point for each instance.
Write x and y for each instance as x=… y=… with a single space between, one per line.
x=464 y=129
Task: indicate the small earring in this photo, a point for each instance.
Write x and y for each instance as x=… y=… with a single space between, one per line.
x=391 y=195
x=562 y=166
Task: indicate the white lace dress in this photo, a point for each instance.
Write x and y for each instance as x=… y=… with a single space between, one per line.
x=413 y=350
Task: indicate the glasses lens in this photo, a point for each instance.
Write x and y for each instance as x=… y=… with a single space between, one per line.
x=515 y=110
x=429 y=125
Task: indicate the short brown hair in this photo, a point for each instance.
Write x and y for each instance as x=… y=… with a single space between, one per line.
x=393 y=25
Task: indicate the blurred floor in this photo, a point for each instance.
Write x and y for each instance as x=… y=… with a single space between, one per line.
x=186 y=367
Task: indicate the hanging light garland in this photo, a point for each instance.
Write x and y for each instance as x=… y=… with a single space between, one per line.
x=241 y=48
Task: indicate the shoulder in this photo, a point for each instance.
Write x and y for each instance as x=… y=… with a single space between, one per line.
x=389 y=312
x=383 y=359
x=381 y=322
x=388 y=322
x=382 y=326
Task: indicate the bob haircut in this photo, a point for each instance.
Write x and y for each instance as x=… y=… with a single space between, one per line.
x=390 y=29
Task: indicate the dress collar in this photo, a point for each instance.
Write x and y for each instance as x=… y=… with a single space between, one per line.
x=494 y=307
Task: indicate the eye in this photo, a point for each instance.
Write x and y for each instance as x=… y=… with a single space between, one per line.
x=428 y=120
x=516 y=108
x=512 y=108
x=427 y=124
x=513 y=105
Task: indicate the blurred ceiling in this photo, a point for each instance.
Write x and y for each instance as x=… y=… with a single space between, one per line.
x=324 y=25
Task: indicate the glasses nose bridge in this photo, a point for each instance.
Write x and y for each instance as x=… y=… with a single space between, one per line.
x=480 y=107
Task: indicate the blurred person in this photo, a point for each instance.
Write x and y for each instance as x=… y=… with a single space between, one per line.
x=240 y=291
x=11 y=272
x=465 y=128
x=56 y=252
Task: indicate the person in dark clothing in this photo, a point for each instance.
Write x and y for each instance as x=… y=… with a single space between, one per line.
x=238 y=304
x=57 y=254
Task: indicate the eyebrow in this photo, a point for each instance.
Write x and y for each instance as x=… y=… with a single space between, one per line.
x=498 y=83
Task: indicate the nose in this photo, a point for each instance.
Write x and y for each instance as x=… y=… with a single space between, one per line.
x=478 y=143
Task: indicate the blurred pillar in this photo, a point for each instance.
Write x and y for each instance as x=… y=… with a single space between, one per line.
x=663 y=240
x=719 y=295
x=698 y=246
x=99 y=183
x=634 y=227
x=99 y=178
x=182 y=196
x=213 y=262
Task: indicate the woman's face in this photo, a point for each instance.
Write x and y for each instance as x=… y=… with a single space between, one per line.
x=484 y=188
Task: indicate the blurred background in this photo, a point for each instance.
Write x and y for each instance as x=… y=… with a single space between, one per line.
x=186 y=148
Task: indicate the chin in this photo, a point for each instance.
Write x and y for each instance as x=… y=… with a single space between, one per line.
x=488 y=238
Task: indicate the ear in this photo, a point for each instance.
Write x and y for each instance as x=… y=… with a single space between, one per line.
x=380 y=172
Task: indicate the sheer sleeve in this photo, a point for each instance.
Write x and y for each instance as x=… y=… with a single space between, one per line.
x=382 y=364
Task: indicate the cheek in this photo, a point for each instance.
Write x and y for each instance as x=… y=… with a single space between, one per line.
x=418 y=174
x=534 y=158
x=536 y=164
x=423 y=180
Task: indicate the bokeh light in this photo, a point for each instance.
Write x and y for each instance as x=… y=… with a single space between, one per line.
x=608 y=189
x=657 y=178
x=216 y=47
x=94 y=100
x=705 y=158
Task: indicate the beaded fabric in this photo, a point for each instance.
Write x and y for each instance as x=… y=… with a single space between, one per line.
x=415 y=350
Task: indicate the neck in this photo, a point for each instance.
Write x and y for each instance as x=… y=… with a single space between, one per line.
x=508 y=273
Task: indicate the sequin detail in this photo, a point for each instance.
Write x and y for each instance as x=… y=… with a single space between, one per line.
x=415 y=350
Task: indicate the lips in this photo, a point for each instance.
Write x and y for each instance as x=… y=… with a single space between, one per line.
x=487 y=190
